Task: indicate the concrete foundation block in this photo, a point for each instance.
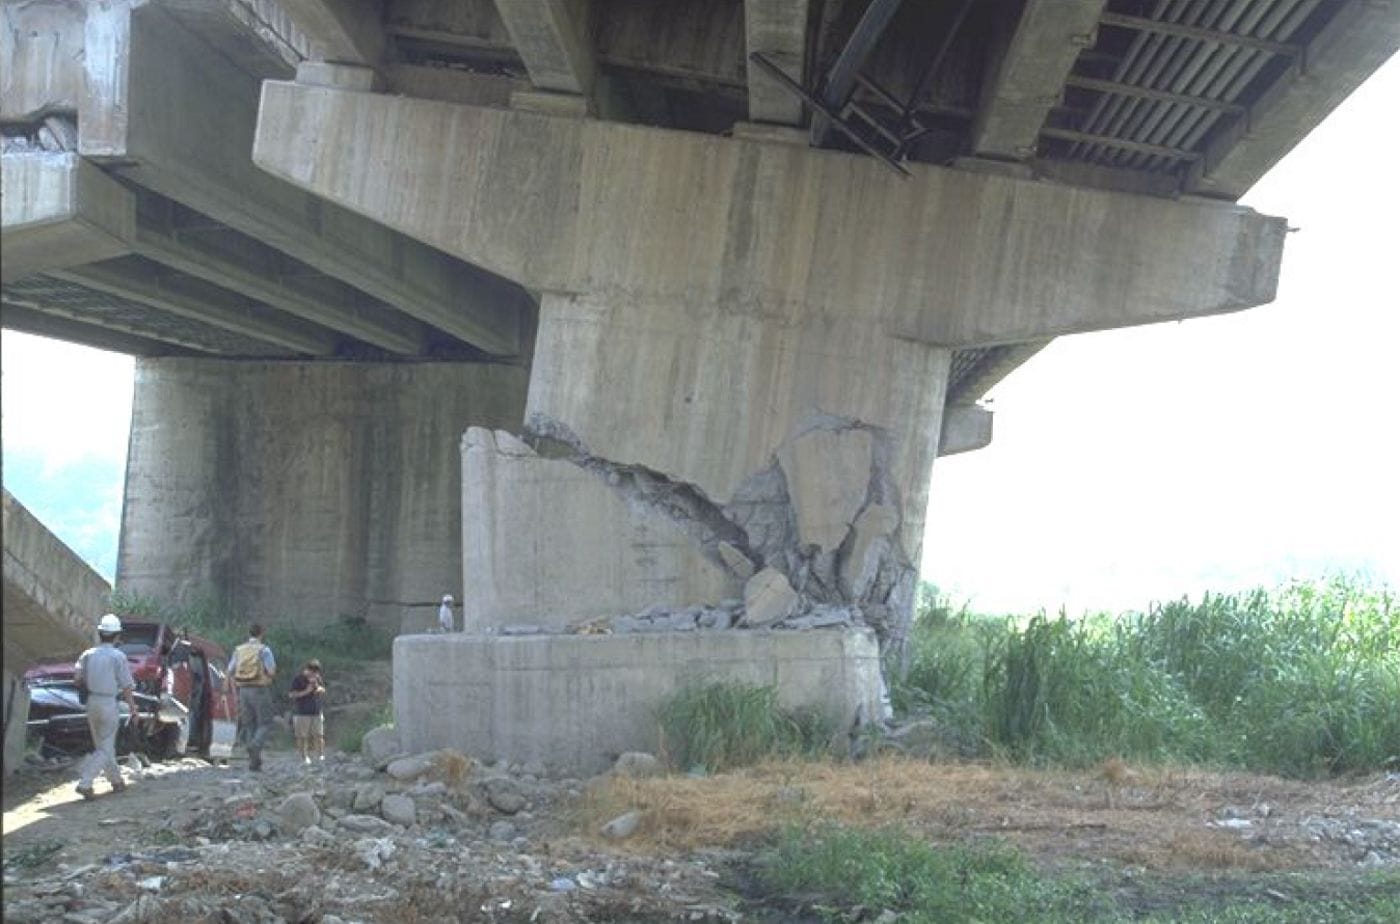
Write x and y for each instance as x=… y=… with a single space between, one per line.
x=576 y=702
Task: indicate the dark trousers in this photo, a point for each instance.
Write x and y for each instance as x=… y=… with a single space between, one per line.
x=254 y=721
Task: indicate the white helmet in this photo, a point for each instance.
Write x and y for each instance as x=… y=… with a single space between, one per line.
x=109 y=624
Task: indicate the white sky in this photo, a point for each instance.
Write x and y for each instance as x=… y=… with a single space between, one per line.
x=1127 y=466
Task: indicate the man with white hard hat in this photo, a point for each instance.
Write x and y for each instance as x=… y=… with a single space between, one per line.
x=105 y=674
x=445 y=621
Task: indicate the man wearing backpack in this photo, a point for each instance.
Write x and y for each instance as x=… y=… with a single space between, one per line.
x=252 y=668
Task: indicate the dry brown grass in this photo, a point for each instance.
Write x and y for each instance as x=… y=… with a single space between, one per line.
x=451 y=767
x=1156 y=817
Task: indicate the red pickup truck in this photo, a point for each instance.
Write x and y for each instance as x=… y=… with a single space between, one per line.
x=186 y=703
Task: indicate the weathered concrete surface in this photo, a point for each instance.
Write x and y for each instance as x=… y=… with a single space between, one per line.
x=707 y=395
x=947 y=257
x=965 y=427
x=304 y=491
x=52 y=600
x=60 y=211
x=41 y=45
x=574 y=702
x=52 y=597
x=549 y=543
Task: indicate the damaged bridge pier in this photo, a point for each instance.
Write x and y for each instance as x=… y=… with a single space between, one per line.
x=636 y=326
x=739 y=377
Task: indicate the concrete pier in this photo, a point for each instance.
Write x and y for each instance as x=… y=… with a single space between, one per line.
x=304 y=492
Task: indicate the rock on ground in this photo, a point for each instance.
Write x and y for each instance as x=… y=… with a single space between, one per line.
x=297 y=812
x=399 y=809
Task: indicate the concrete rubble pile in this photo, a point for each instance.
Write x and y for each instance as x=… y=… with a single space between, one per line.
x=810 y=541
x=350 y=843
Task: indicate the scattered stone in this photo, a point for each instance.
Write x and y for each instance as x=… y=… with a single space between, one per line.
x=365 y=824
x=380 y=745
x=298 y=812
x=399 y=810
x=623 y=826
x=408 y=769
x=637 y=764
x=768 y=598
x=502 y=831
x=504 y=794
x=367 y=797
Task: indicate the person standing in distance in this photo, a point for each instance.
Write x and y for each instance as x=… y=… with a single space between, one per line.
x=104 y=673
x=308 y=723
x=445 y=621
x=252 y=668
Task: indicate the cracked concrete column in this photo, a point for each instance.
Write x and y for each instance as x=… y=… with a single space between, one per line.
x=753 y=332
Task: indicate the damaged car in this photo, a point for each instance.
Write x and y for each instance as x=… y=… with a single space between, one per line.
x=186 y=703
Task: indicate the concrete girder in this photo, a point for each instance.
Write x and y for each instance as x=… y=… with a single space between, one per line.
x=947 y=257
x=965 y=427
x=184 y=334
x=1352 y=46
x=29 y=320
x=341 y=31
x=209 y=304
x=179 y=119
x=59 y=211
x=1027 y=80
x=225 y=270
x=554 y=41
x=778 y=29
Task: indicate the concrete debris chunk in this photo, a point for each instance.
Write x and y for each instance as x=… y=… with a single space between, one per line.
x=298 y=812
x=768 y=598
x=623 y=826
x=874 y=532
x=399 y=810
x=736 y=560
x=828 y=474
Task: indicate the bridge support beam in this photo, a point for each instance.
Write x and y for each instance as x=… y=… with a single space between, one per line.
x=60 y=212
x=304 y=492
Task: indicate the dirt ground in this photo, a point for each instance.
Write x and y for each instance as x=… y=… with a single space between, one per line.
x=186 y=832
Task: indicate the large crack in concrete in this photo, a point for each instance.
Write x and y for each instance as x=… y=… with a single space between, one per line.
x=865 y=572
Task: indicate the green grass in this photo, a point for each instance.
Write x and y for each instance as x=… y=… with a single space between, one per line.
x=846 y=874
x=1301 y=681
x=721 y=726
x=350 y=733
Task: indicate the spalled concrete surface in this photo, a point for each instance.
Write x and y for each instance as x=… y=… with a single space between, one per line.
x=304 y=492
x=575 y=702
x=52 y=601
x=549 y=543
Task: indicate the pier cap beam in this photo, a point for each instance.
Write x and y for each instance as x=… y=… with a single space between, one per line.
x=945 y=257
